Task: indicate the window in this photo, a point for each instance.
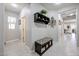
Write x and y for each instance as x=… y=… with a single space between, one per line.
x=11 y=22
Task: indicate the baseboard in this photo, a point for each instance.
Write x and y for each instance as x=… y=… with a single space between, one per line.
x=11 y=41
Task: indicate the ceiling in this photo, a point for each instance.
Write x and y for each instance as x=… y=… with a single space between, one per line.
x=69 y=17
x=54 y=6
x=9 y=7
x=69 y=14
x=49 y=6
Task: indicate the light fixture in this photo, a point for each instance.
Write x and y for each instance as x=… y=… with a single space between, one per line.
x=57 y=3
x=14 y=5
x=71 y=14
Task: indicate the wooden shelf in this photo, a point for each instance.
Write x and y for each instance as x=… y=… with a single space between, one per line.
x=39 y=18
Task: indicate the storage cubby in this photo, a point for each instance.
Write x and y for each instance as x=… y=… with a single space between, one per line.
x=42 y=45
x=39 y=18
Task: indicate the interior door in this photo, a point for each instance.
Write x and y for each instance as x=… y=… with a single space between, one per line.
x=23 y=29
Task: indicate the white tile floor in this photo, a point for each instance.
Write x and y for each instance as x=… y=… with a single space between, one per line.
x=58 y=49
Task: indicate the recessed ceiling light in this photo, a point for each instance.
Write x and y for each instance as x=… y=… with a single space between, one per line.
x=14 y=5
x=71 y=14
x=57 y=3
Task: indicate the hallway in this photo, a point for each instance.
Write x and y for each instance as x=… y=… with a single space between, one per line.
x=23 y=24
x=58 y=49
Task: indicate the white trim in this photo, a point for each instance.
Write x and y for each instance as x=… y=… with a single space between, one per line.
x=12 y=40
x=76 y=23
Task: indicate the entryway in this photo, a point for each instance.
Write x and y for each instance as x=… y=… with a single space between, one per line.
x=69 y=31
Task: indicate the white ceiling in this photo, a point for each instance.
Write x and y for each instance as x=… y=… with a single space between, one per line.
x=53 y=6
x=69 y=14
x=9 y=7
x=49 y=6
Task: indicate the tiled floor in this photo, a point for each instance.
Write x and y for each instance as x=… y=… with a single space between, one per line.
x=58 y=49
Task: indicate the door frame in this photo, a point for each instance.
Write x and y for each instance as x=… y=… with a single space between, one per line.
x=23 y=29
x=76 y=19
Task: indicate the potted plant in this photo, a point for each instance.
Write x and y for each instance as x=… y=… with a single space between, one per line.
x=43 y=12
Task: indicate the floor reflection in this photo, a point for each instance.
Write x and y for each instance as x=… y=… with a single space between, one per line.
x=66 y=48
x=70 y=44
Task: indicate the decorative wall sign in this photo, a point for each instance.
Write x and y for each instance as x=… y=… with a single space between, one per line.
x=60 y=22
x=19 y=22
x=52 y=22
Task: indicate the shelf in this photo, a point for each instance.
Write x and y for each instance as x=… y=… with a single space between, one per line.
x=39 y=18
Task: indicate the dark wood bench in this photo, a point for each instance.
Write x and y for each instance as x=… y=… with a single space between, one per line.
x=42 y=45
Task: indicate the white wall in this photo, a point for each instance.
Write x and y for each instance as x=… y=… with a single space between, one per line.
x=12 y=34
x=72 y=24
x=78 y=26
x=54 y=31
x=38 y=31
x=1 y=29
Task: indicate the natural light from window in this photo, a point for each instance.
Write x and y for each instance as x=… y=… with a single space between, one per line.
x=11 y=22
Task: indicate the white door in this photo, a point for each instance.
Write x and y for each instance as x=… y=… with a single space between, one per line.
x=23 y=29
